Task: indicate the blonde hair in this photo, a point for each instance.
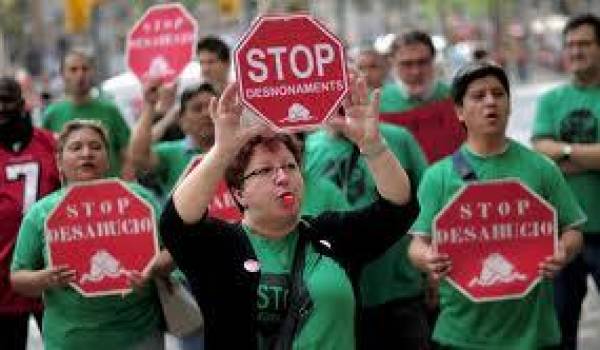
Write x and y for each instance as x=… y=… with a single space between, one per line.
x=79 y=124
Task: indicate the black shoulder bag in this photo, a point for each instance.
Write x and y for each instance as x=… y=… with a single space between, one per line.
x=300 y=305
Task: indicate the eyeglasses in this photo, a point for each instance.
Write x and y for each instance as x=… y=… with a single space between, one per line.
x=270 y=171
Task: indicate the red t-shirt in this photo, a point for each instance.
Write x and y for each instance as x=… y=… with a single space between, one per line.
x=25 y=177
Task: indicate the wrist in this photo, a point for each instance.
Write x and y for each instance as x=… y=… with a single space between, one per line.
x=373 y=150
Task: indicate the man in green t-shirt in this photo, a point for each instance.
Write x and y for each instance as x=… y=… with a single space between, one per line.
x=567 y=129
x=79 y=103
x=391 y=290
x=412 y=59
x=168 y=159
x=419 y=101
x=481 y=93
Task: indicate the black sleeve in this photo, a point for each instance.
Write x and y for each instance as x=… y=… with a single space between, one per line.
x=208 y=241
x=211 y=253
x=360 y=236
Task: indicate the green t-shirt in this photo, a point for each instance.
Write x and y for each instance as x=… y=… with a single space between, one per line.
x=527 y=323
x=173 y=158
x=331 y=323
x=394 y=99
x=391 y=276
x=104 y=111
x=572 y=114
x=72 y=321
x=321 y=195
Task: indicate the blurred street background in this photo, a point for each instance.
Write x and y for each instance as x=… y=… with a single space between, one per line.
x=522 y=35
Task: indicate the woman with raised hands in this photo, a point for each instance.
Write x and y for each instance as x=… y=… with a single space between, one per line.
x=278 y=280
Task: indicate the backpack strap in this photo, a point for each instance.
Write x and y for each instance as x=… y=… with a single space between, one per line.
x=462 y=166
x=300 y=302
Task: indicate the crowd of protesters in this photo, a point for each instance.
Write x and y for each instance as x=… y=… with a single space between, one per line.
x=330 y=244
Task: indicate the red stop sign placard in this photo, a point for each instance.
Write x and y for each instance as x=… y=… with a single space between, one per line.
x=161 y=43
x=102 y=230
x=291 y=71
x=222 y=205
x=496 y=233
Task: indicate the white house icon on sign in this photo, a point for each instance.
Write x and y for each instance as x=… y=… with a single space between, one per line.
x=159 y=67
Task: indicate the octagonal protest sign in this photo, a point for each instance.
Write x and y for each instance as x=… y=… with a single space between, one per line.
x=223 y=205
x=103 y=231
x=161 y=43
x=291 y=71
x=495 y=233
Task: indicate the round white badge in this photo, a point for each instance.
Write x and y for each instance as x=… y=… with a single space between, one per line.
x=251 y=265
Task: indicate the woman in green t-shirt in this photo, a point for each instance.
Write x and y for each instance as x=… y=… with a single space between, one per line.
x=276 y=280
x=72 y=321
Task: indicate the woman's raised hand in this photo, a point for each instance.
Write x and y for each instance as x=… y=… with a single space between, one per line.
x=360 y=122
x=226 y=114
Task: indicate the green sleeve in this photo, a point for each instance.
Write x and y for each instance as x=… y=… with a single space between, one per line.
x=47 y=117
x=406 y=149
x=417 y=158
x=559 y=194
x=322 y=195
x=147 y=196
x=120 y=128
x=543 y=121
x=28 y=254
x=163 y=153
x=429 y=195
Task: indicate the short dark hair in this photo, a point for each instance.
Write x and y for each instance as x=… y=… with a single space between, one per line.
x=216 y=46
x=410 y=38
x=580 y=20
x=473 y=71
x=11 y=84
x=234 y=174
x=192 y=91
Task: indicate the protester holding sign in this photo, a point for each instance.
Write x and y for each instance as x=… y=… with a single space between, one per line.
x=276 y=277
x=72 y=321
x=481 y=93
x=167 y=160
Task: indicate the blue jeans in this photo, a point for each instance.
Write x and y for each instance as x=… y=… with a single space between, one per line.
x=570 y=287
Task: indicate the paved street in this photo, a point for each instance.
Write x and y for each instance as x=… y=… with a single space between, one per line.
x=524 y=97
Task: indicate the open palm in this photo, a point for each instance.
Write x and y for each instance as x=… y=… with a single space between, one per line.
x=360 y=122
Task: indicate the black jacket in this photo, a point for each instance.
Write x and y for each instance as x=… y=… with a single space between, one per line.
x=211 y=254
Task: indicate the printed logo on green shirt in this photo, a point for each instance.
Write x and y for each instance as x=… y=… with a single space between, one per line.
x=272 y=302
x=348 y=178
x=580 y=126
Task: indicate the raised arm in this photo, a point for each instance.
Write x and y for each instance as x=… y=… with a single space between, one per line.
x=140 y=145
x=361 y=126
x=192 y=196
